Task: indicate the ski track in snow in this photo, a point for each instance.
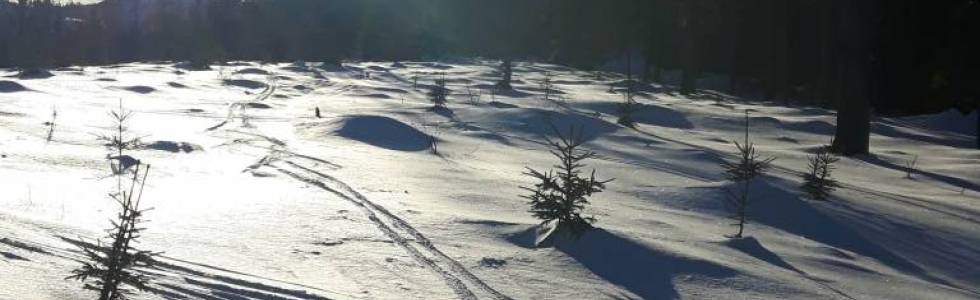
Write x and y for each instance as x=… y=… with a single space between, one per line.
x=434 y=261
x=425 y=253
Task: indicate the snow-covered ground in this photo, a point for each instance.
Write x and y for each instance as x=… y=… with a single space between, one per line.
x=255 y=198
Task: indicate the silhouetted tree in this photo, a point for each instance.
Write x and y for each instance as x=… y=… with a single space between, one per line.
x=852 y=136
x=562 y=194
x=438 y=93
x=818 y=182
x=114 y=267
x=506 y=74
x=742 y=171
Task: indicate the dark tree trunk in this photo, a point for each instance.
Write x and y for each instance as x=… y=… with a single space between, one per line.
x=733 y=64
x=688 y=57
x=825 y=88
x=648 y=62
x=854 y=106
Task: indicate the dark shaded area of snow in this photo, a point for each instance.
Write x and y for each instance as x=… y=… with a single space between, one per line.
x=258 y=105
x=175 y=147
x=901 y=244
x=245 y=83
x=899 y=167
x=383 y=132
x=35 y=74
x=901 y=131
x=176 y=85
x=753 y=248
x=642 y=269
x=140 y=89
x=498 y=104
x=11 y=256
x=7 y=86
x=645 y=114
x=252 y=71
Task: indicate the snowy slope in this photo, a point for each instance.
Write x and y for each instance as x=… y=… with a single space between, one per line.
x=255 y=198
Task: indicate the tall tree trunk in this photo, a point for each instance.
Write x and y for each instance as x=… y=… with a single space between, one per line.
x=824 y=87
x=852 y=136
x=688 y=47
x=734 y=18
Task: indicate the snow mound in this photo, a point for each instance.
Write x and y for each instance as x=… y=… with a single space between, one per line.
x=176 y=85
x=7 y=86
x=35 y=74
x=252 y=71
x=245 y=83
x=139 y=89
x=950 y=120
x=383 y=132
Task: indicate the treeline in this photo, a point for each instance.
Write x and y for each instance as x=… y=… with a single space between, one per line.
x=909 y=55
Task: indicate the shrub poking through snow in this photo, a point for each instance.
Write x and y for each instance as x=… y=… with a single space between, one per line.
x=626 y=111
x=51 y=124
x=439 y=93
x=560 y=195
x=748 y=166
x=818 y=182
x=433 y=140
x=506 y=74
x=474 y=96
x=910 y=166
x=547 y=85
x=111 y=268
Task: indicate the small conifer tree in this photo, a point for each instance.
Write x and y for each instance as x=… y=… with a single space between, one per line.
x=563 y=193
x=748 y=166
x=506 y=74
x=818 y=182
x=113 y=266
x=626 y=111
x=438 y=93
x=547 y=85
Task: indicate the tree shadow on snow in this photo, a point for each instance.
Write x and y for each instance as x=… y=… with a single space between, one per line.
x=644 y=271
x=647 y=114
x=641 y=269
x=894 y=129
x=897 y=244
x=174 y=278
x=751 y=247
x=955 y=181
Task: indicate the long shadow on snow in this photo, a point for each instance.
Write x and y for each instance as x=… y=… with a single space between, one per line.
x=897 y=245
x=751 y=247
x=647 y=114
x=896 y=130
x=517 y=123
x=200 y=284
x=955 y=181
x=644 y=271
